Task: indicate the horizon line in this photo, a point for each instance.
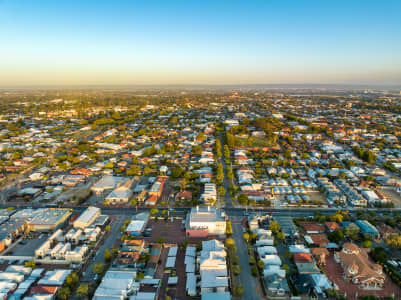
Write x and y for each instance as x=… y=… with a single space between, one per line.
x=204 y=85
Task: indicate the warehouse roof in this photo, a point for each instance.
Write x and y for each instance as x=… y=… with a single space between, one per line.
x=49 y=216
x=88 y=214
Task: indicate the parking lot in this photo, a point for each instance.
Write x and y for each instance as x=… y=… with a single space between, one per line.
x=171 y=231
x=27 y=247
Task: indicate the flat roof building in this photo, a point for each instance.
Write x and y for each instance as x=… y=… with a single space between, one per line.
x=204 y=221
x=49 y=219
x=87 y=217
x=107 y=183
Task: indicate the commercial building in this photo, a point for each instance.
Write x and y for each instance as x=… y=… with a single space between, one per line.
x=122 y=193
x=48 y=219
x=137 y=224
x=87 y=217
x=204 y=221
x=107 y=183
x=157 y=187
x=11 y=230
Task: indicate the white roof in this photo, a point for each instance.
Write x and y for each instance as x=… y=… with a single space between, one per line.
x=214 y=279
x=54 y=277
x=143 y=296
x=115 y=285
x=135 y=225
x=190 y=251
x=172 y=252
x=272 y=260
x=88 y=214
x=170 y=262
x=107 y=182
x=191 y=283
x=266 y=250
x=120 y=193
x=216 y=296
x=212 y=245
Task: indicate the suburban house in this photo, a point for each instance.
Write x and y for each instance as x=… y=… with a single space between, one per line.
x=358 y=268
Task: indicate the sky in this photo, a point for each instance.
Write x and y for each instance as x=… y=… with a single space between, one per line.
x=96 y=42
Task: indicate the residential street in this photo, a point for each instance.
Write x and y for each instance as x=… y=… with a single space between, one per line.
x=226 y=181
x=249 y=283
x=108 y=243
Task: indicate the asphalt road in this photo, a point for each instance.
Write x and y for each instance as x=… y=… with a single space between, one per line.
x=230 y=211
x=226 y=181
x=108 y=243
x=248 y=282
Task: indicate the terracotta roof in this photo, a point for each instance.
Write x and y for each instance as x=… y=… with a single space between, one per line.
x=134 y=242
x=357 y=265
x=319 y=251
x=185 y=194
x=302 y=257
x=332 y=225
x=385 y=229
x=351 y=247
x=308 y=227
x=319 y=239
x=44 y=289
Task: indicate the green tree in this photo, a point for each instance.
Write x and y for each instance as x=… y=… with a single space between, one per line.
x=261 y=264
x=83 y=291
x=352 y=231
x=252 y=260
x=98 y=268
x=63 y=293
x=107 y=255
x=243 y=199
x=246 y=237
x=281 y=235
x=238 y=290
x=337 y=236
x=230 y=243
x=229 y=228
x=367 y=244
x=236 y=270
x=274 y=227
x=109 y=165
x=30 y=264
x=114 y=252
x=219 y=173
x=133 y=170
x=176 y=173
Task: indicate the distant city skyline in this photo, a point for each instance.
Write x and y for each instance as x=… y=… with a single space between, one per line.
x=199 y=42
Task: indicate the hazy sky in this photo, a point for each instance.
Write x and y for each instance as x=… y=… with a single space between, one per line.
x=199 y=42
